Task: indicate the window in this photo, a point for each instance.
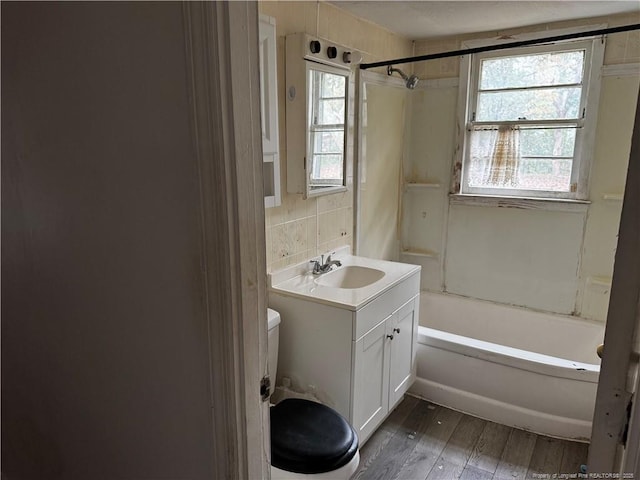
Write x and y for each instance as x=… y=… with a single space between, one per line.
x=327 y=127
x=529 y=111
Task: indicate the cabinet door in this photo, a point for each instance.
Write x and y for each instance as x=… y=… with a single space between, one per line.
x=269 y=111
x=268 y=87
x=371 y=381
x=403 y=325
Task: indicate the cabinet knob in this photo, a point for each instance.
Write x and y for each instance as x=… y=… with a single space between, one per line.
x=397 y=330
x=390 y=337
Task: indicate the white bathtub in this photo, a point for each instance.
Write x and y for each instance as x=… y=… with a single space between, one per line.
x=517 y=367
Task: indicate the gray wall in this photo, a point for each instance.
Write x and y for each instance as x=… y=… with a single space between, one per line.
x=104 y=343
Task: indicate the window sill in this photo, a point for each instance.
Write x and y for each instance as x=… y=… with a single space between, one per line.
x=526 y=203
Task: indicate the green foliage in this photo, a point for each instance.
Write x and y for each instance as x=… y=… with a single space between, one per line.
x=546 y=69
x=555 y=71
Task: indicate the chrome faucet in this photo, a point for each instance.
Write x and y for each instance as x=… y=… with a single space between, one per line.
x=320 y=267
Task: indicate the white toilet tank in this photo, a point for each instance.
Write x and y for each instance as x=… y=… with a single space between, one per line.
x=272 y=345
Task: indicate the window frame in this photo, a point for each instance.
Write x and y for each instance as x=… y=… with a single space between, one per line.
x=313 y=101
x=585 y=133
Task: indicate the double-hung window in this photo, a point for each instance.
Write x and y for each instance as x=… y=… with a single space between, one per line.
x=529 y=117
x=327 y=126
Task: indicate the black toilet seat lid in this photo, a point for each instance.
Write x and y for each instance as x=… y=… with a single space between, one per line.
x=308 y=437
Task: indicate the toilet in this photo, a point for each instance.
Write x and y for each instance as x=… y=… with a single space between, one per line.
x=308 y=439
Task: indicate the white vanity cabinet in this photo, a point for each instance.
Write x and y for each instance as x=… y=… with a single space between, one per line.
x=383 y=367
x=359 y=359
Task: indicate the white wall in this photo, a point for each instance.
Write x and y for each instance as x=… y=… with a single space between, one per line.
x=105 y=361
x=514 y=256
x=558 y=261
x=615 y=122
x=428 y=152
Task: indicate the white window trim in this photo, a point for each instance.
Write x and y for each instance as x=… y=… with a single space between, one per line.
x=313 y=100
x=526 y=203
x=584 y=148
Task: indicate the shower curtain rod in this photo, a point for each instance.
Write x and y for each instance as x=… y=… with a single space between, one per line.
x=489 y=48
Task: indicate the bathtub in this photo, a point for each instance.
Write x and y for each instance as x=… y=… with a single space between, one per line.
x=526 y=369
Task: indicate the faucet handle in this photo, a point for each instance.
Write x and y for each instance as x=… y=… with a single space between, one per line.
x=329 y=256
x=317 y=266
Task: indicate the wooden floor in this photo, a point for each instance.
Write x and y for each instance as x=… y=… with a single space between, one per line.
x=421 y=441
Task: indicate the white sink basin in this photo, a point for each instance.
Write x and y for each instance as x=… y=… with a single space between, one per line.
x=354 y=284
x=350 y=276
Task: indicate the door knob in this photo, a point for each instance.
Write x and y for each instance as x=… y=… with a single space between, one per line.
x=600 y=349
x=397 y=330
x=390 y=337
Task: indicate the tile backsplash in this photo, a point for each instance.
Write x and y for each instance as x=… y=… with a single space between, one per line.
x=301 y=229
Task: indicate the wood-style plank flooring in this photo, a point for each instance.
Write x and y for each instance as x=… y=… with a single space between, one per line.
x=423 y=441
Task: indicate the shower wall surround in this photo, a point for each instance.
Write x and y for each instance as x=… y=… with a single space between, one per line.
x=557 y=261
x=299 y=229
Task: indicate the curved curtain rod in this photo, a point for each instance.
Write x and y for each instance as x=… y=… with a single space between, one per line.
x=489 y=48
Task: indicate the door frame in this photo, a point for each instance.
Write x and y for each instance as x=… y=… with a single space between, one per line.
x=223 y=69
x=632 y=453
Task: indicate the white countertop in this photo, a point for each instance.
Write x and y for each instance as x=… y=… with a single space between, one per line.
x=298 y=281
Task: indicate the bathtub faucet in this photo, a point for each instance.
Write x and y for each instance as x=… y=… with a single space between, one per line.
x=320 y=267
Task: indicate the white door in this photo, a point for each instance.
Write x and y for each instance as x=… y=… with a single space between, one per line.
x=618 y=368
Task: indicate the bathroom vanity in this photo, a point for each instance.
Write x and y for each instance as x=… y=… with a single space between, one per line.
x=349 y=336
